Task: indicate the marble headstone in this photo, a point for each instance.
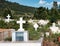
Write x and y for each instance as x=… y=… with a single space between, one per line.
x=20 y=34
x=35 y=26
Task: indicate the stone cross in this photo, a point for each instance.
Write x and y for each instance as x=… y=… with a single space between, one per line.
x=8 y=18
x=21 y=24
x=35 y=26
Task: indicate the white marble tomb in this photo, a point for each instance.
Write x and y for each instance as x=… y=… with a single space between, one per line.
x=43 y=22
x=20 y=34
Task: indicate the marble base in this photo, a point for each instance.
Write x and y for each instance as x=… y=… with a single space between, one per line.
x=20 y=36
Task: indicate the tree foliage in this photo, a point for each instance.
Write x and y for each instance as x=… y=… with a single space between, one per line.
x=52 y=14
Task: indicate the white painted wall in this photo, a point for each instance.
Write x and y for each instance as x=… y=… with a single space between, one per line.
x=20 y=44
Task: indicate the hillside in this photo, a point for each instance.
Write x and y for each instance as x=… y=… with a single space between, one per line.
x=15 y=8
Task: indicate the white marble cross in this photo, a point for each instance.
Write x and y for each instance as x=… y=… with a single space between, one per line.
x=8 y=18
x=53 y=28
x=35 y=26
x=21 y=24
